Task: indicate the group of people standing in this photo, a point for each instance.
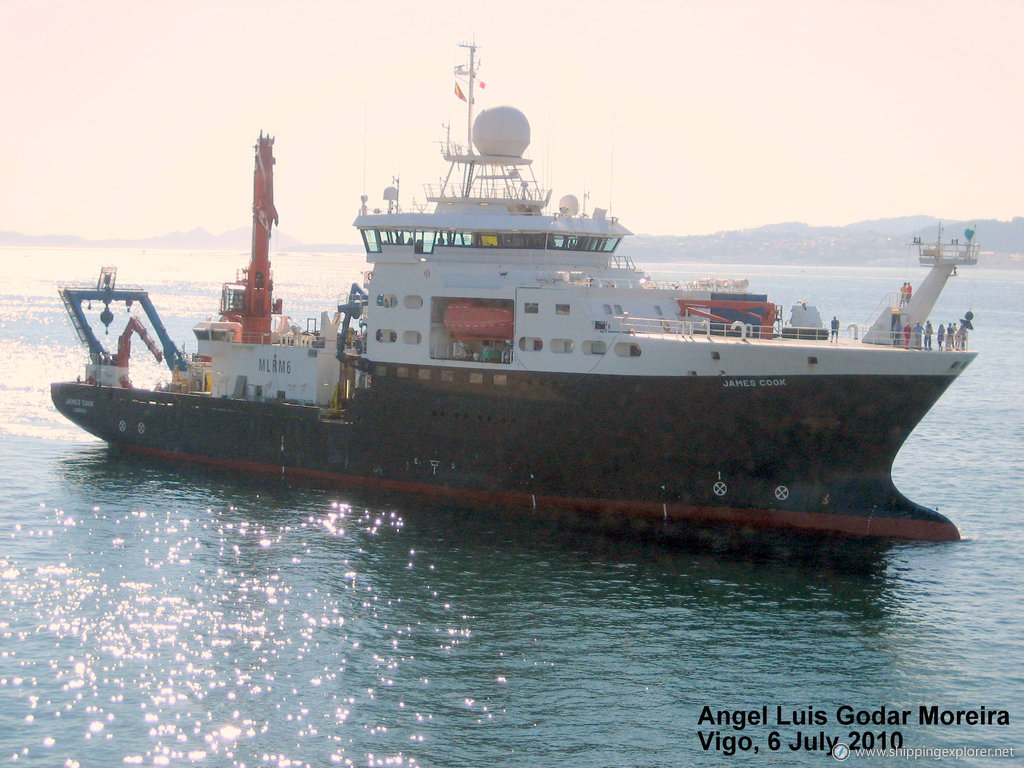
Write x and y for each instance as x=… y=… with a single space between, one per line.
x=952 y=336
x=949 y=337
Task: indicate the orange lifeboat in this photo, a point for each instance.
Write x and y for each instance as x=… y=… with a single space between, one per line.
x=469 y=319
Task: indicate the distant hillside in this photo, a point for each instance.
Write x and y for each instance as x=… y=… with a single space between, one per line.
x=877 y=242
x=197 y=238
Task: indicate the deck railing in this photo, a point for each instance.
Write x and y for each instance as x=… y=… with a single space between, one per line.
x=686 y=327
x=699 y=328
x=955 y=252
x=489 y=188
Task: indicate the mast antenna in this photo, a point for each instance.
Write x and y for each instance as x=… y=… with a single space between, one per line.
x=471 y=74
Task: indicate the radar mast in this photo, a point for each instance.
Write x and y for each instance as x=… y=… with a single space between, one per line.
x=470 y=74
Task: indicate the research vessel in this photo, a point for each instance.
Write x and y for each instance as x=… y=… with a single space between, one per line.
x=504 y=351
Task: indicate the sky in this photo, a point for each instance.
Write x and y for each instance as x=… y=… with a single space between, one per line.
x=131 y=118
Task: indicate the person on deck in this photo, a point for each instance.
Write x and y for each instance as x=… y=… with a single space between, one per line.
x=961 y=337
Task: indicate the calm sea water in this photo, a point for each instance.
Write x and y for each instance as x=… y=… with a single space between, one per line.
x=156 y=615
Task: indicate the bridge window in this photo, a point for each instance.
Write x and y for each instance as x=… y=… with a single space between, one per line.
x=463 y=239
x=581 y=243
x=521 y=240
x=386 y=336
x=531 y=308
x=396 y=236
x=561 y=309
x=371 y=241
x=424 y=242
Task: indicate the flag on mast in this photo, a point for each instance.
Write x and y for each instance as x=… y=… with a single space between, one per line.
x=459 y=93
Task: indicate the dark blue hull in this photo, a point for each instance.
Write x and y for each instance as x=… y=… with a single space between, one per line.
x=814 y=455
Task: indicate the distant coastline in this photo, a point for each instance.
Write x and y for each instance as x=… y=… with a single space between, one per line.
x=879 y=242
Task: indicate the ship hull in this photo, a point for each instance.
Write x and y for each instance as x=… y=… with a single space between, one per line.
x=811 y=454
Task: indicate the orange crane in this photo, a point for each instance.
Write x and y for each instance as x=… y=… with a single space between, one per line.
x=124 y=345
x=249 y=300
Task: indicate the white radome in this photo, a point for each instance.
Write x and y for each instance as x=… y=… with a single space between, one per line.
x=501 y=131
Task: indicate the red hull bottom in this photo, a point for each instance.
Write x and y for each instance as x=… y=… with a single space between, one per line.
x=727 y=517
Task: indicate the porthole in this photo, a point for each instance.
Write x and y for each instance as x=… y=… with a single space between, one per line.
x=530 y=344
x=627 y=349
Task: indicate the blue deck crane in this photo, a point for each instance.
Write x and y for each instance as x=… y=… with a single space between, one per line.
x=106 y=292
